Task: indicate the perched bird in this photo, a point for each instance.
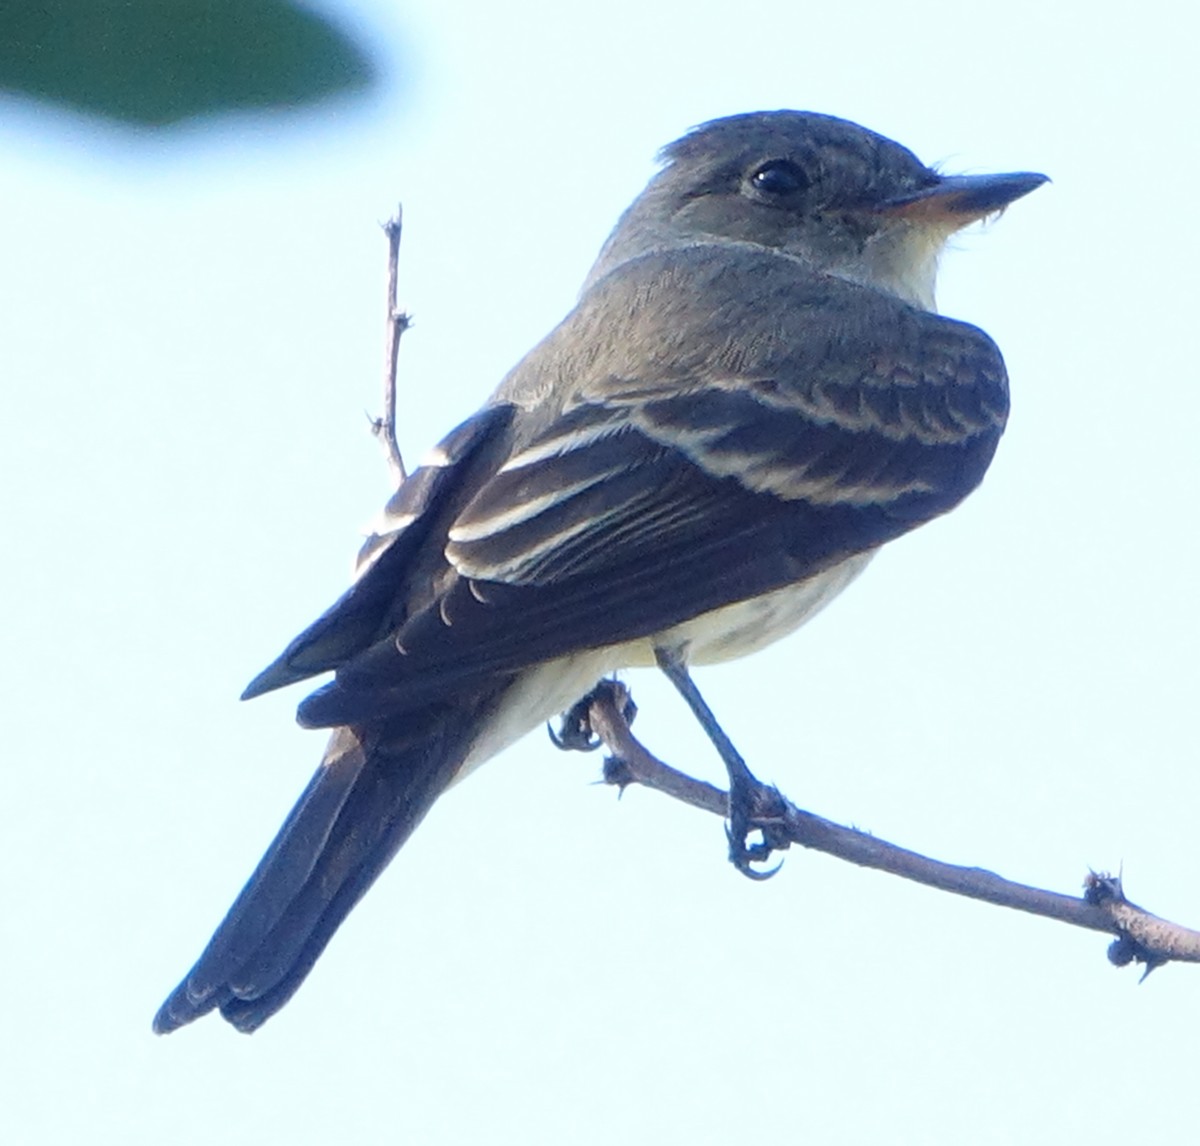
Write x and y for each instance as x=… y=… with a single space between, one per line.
x=753 y=393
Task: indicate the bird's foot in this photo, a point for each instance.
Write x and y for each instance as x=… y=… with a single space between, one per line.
x=758 y=809
x=575 y=733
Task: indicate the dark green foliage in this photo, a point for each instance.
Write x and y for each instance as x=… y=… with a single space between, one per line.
x=156 y=62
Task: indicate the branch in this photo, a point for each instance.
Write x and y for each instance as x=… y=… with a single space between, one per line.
x=398 y=321
x=1141 y=937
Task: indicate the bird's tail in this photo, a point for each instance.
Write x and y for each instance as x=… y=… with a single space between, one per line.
x=372 y=789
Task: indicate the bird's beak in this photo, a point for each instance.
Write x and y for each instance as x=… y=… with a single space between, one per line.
x=956 y=200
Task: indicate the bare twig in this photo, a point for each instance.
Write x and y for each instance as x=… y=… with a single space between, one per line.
x=1141 y=937
x=398 y=321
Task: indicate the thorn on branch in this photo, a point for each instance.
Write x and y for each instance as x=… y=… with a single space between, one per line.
x=617 y=773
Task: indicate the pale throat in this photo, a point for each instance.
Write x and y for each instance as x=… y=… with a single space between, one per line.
x=903 y=261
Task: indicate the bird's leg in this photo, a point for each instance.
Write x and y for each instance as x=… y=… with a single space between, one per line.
x=750 y=800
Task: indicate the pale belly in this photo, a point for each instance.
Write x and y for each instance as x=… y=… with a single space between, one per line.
x=744 y=628
x=723 y=634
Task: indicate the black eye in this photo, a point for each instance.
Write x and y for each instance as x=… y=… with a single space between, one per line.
x=779 y=177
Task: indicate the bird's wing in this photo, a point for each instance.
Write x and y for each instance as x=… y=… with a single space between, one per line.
x=670 y=449
x=395 y=560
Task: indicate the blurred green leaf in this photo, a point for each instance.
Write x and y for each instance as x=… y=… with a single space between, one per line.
x=156 y=62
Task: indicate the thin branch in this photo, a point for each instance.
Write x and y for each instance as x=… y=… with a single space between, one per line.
x=1141 y=937
x=398 y=321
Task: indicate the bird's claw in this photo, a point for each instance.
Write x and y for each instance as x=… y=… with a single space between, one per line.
x=575 y=733
x=754 y=807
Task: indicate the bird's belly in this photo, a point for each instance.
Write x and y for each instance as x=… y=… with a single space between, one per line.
x=539 y=694
x=747 y=626
x=542 y=692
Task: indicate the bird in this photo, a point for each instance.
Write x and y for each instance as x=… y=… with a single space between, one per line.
x=752 y=394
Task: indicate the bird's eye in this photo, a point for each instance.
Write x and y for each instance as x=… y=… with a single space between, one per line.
x=779 y=177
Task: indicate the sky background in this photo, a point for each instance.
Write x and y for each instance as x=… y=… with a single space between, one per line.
x=190 y=336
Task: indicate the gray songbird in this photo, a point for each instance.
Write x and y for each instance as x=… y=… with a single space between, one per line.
x=752 y=395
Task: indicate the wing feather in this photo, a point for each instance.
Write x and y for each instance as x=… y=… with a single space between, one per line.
x=412 y=526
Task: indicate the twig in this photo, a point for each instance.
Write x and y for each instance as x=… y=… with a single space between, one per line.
x=1141 y=937
x=398 y=321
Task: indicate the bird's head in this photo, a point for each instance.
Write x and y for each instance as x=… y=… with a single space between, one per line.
x=844 y=200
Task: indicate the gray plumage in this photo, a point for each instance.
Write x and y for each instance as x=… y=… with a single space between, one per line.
x=751 y=396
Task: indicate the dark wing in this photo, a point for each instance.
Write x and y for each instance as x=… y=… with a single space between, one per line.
x=396 y=560
x=709 y=424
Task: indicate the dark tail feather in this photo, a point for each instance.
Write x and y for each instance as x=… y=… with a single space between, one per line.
x=366 y=798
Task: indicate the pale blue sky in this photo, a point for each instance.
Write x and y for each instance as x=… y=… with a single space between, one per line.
x=190 y=335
